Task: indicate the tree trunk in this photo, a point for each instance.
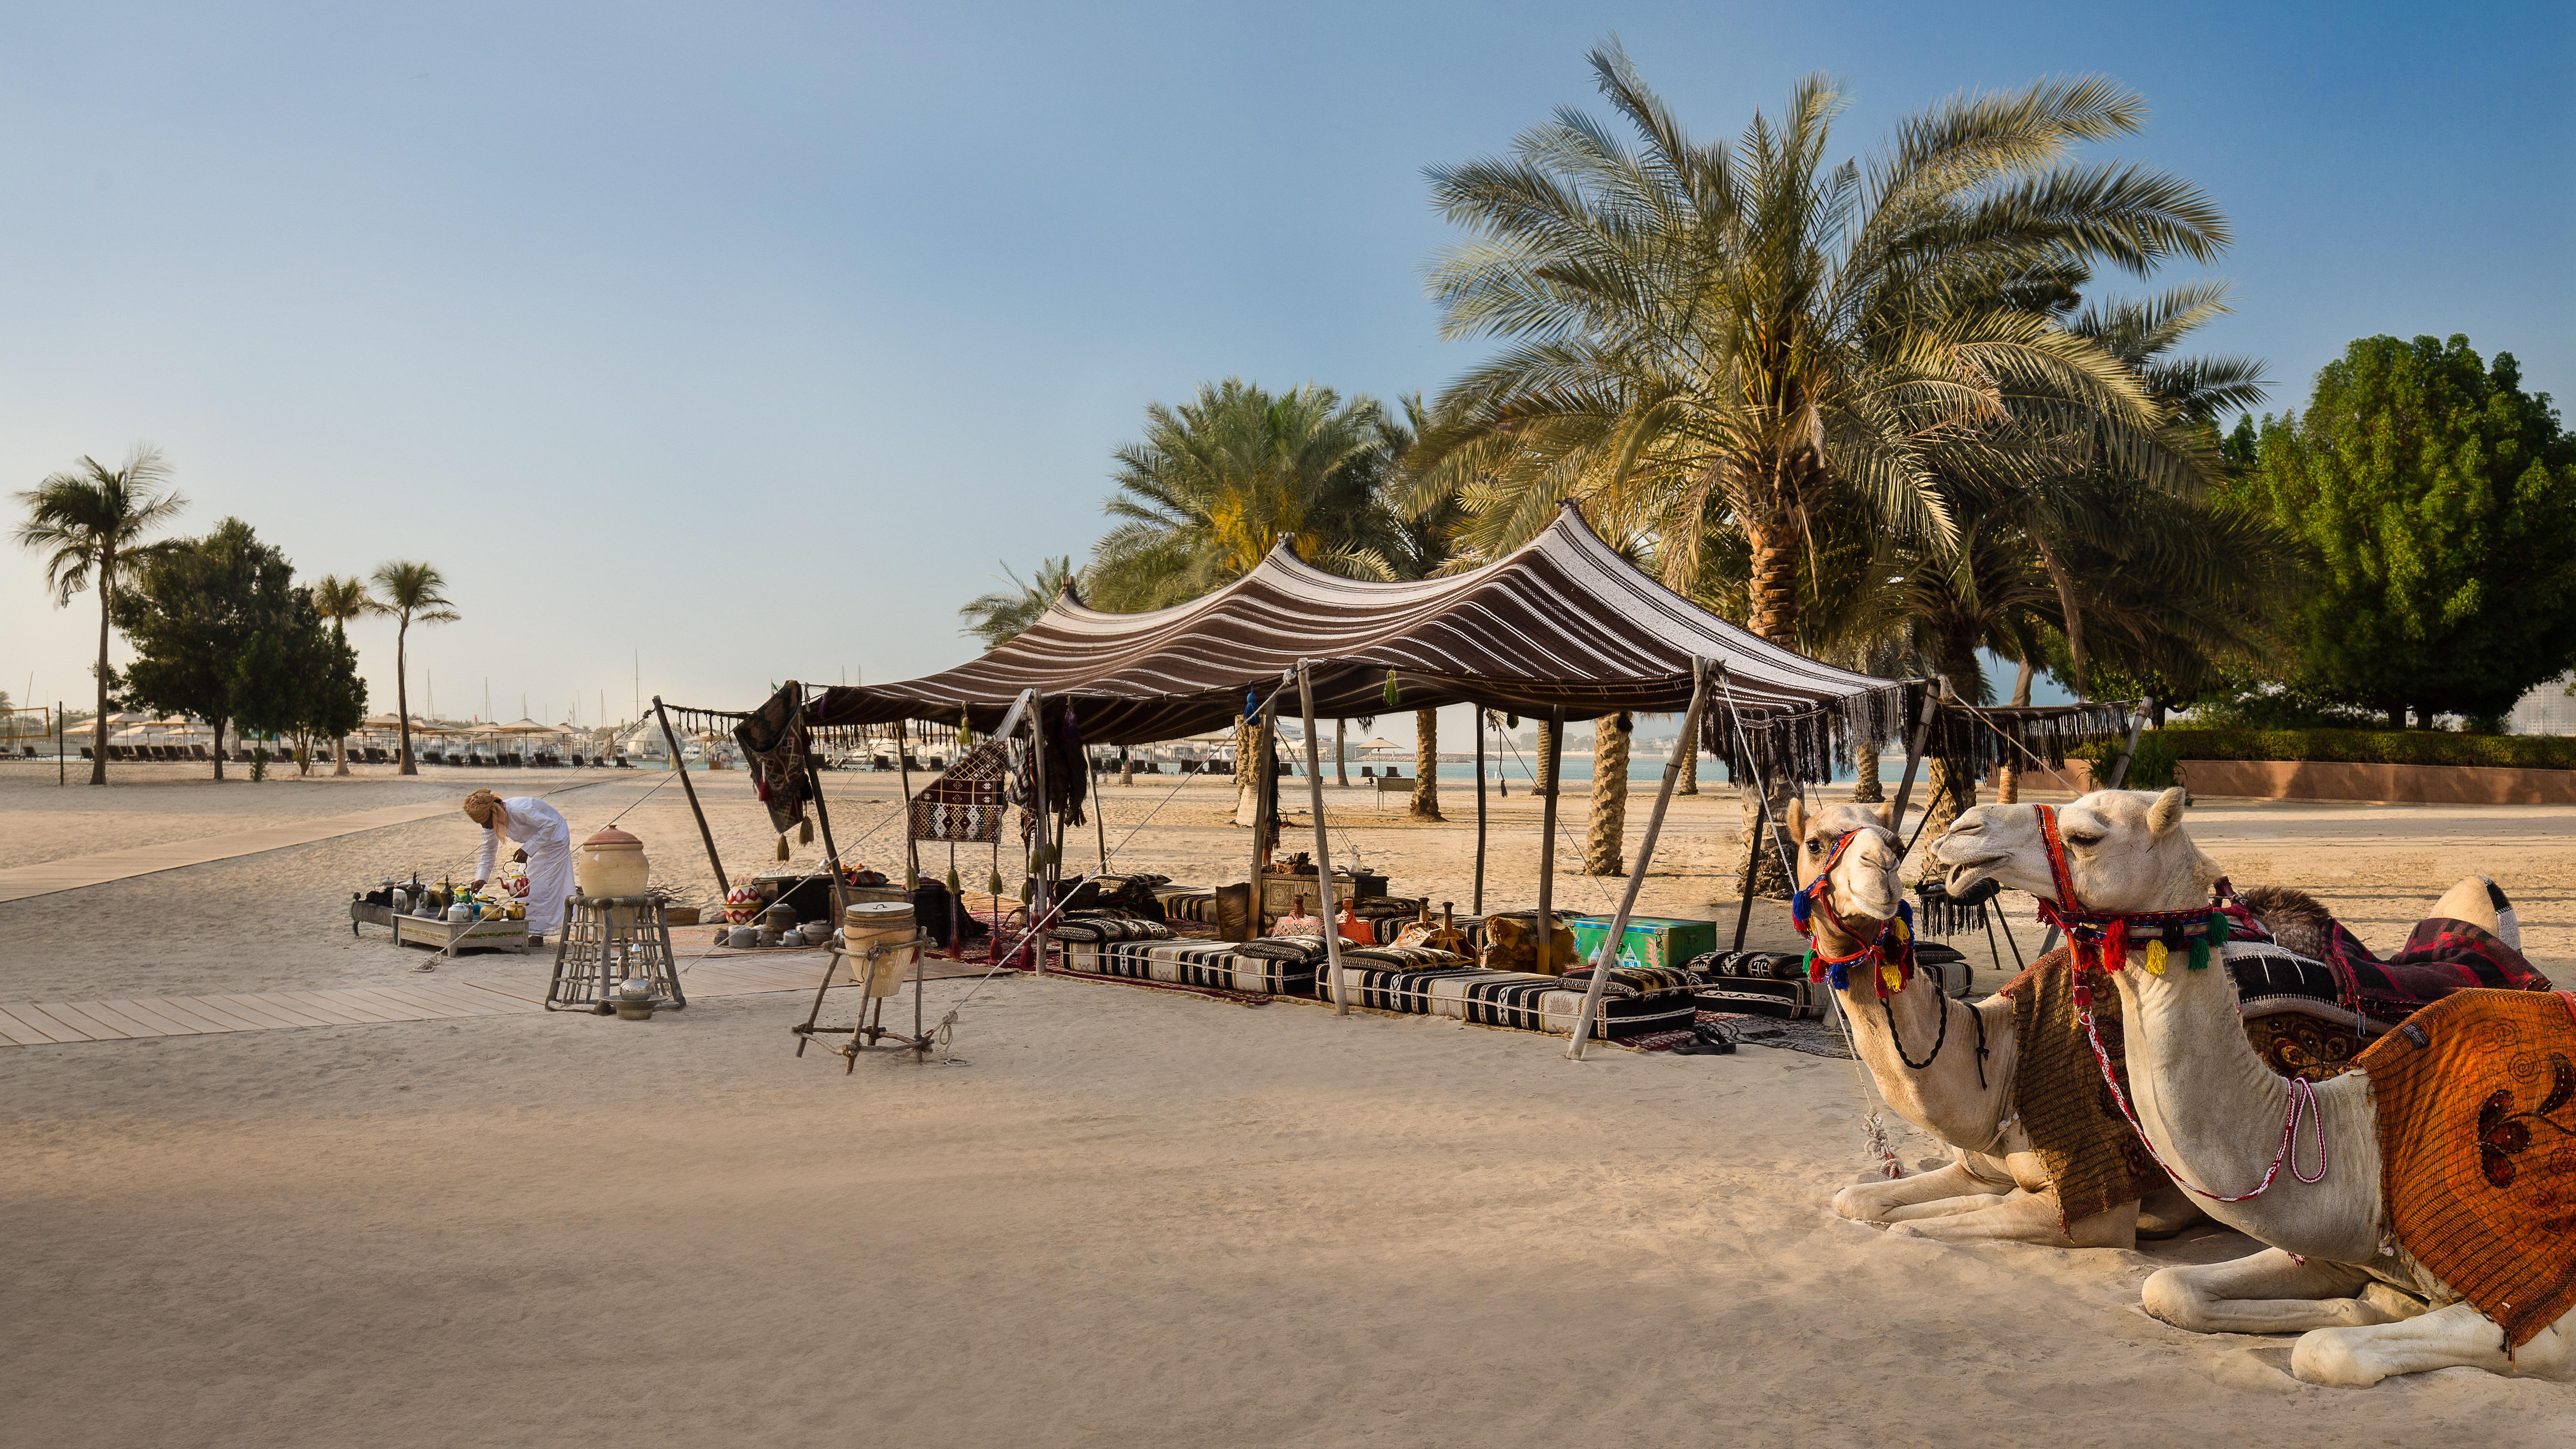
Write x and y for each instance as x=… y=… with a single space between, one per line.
x=1341 y=757
x=2008 y=773
x=1426 y=765
x=402 y=699
x=1249 y=741
x=1604 y=844
x=98 y=753
x=1771 y=591
x=1948 y=799
x=1690 y=772
x=340 y=749
x=2396 y=716
x=2072 y=615
x=1866 y=786
x=218 y=721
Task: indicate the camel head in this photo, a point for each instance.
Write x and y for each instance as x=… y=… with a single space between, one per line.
x=1863 y=880
x=2126 y=851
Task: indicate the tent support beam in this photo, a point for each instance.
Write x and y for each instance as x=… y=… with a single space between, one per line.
x=1041 y=892
x=1479 y=907
x=903 y=767
x=1554 y=764
x=1914 y=752
x=681 y=764
x=1683 y=745
x=1323 y=848
x=823 y=817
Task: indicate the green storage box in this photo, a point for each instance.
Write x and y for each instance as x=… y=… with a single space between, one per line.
x=1651 y=940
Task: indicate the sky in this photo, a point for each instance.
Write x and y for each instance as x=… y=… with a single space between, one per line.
x=706 y=347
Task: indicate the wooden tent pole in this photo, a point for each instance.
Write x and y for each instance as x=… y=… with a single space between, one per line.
x=1323 y=847
x=681 y=764
x=903 y=767
x=1041 y=888
x=2119 y=773
x=1548 y=787
x=1479 y=906
x=1609 y=956
x=1914 y=751
x=823 y=818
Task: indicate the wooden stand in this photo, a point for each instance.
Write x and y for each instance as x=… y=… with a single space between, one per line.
x=870 y=1028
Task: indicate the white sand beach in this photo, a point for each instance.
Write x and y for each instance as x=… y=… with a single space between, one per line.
x=1123 y=1216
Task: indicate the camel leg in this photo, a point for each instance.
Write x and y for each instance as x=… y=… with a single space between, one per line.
x=2271 y=1293
x=2028 y=1217
x=2482 y=903
x=1873 y=1201
x=2167 y=1211
x=2455 y=1337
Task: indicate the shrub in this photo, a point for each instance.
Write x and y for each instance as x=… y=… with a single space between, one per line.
x=2360 y=747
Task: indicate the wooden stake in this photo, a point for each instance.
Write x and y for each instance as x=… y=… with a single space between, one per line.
x=1609 y=954
x=1323 y=848
x=681 y=764
x=1479 y=906
x=1549 y=784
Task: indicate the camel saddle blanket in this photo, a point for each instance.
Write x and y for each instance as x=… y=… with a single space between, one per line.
x=2093 y=1157
x=2476 y=1096
x=2441 y=956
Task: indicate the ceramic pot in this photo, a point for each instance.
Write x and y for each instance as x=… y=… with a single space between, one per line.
x=741 y=937
x=611 y=863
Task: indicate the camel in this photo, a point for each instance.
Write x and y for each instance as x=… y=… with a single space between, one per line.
x=2334 y=1271
x=1995 y=1189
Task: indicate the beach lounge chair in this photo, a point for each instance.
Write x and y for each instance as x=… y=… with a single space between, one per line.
x=199 y=753
x=1391 y=783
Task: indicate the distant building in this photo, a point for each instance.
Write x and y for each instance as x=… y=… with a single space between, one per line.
x=2548 y=710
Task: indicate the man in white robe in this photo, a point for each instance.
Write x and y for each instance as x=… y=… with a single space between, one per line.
x=544 y=842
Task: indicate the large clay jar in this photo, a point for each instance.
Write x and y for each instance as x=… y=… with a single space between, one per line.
x=611 y=863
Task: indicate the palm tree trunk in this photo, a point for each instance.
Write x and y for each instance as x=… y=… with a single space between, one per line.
x=1771 y=590
x=1605 y=842
x=402 y=696
x=2008 y=773
x=1866 y=786
x=1426 y=765
x=2072 y=617
x=98 y=754
x=1690 y=772
x=1341 y=760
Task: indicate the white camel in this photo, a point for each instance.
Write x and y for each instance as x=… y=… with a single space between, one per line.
x=2213 y=1111
x=1923 y=1048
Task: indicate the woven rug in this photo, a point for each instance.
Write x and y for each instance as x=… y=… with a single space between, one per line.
x=2476 y=1096
x=2092 y=1155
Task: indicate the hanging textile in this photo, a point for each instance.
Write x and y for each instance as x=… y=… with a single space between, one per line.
x=966 y=803
x=773 y=744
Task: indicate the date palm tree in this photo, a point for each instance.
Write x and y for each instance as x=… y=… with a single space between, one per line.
x=410 y=593
x=1752 y=336
x=88 y=521
x=338 y=599
x=998 y=617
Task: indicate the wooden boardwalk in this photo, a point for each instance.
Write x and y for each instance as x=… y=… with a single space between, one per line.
x=424 y=998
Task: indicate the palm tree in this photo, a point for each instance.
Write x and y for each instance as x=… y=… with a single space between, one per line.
x=999 y=616
x=1218 y=481
x=1752 y=335
x=87 y=521
x=338 y=600
x=411 y=593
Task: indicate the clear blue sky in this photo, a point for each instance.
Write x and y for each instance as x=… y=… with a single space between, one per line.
x=750 y=338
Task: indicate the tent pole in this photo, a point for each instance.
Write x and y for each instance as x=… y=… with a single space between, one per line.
x=823 y=818
x=1323 y=847
x=1041 y=892
x=1609 y=956
x=682 y=765
x=2119 y=773
x=1914 y=751
x=1548 y=787
x=903 y=767
x=1479 y=906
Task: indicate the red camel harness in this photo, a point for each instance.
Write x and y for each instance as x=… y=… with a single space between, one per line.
x=1890 y=940
x=2111 y=934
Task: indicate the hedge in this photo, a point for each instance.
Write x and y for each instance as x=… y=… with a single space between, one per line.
x=2374 y=747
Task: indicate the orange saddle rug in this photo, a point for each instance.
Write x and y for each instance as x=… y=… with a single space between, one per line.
x=2476 y=1099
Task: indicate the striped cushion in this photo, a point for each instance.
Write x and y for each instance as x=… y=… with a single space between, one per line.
x=1096 y=929
x=1519 y=999
x=1193 y=963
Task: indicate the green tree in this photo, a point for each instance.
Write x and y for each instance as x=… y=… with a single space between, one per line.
x=297 y=679
x=194 y=611
x=87 y=521
x=339 y=598
x=410 y=593
x=1218 y=481
x=2436 y=503
x=998 y=617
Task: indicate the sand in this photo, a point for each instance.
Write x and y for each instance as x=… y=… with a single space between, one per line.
x=1124 y=1216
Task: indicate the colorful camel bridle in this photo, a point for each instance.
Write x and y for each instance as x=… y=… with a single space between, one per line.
x=1890 y=941
x=2111 y=936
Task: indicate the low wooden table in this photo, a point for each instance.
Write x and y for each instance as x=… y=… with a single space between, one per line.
x=497 y=934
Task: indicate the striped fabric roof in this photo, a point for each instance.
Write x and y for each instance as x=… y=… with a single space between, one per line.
x=1562 y=622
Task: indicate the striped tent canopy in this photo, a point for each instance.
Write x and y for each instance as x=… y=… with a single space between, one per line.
x=1561 y=623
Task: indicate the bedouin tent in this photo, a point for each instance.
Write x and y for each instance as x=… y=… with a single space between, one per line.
x=1561 y=627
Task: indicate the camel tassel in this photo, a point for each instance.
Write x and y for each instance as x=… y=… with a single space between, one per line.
x=2155 y=962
